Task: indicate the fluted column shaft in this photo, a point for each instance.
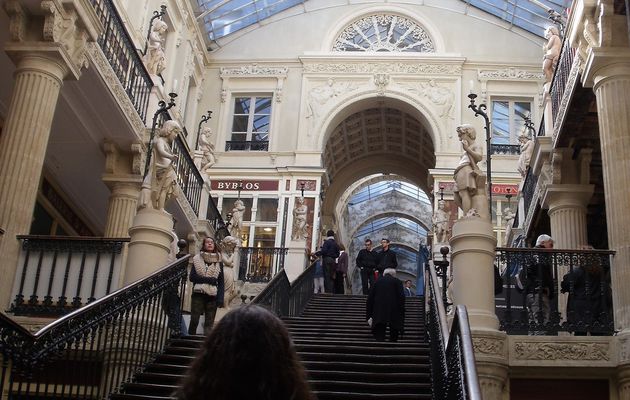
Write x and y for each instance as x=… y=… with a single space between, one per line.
x=612 y=85
x=567 y=212
x=123 y=202
x=23 y=143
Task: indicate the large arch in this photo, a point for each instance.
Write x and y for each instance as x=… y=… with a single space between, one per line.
x=394 y=214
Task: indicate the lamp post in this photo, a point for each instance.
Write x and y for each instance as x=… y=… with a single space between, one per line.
x=204 y=119
x=441 y=267
x=302 y=188
x=529 y=124
x=481 y=110
x=163 y=108
x=156 y=15
x=239 y=188
x=441 y=192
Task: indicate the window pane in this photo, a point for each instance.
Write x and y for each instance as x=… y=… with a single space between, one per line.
x=261 y=123
x=260 y=137
x=267 y=210
x=264 y=237
x=263 y=105
x=42 y=221
x=239 y=137
x=241 y=105
x=521 y=110
x=240 y=123
x=500 y=122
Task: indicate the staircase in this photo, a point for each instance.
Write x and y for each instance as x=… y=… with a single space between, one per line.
x=343 y=360
x=336 y=346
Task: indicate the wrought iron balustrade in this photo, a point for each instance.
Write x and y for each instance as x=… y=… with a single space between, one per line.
x=509 y=149
x=116 y=44
x=584 y=275
x=529 y=187
x=89 y=353
x=284 y=298
x=453 y=370
x=260 y=264
x=541 y=129
x=254 y=145
x=60 y=274
x=561 y=76
x=188 y=176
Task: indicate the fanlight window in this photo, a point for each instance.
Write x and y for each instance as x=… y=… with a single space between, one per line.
x=381 y=32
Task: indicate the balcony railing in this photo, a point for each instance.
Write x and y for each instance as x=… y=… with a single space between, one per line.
x=582 y=274
x=260 y=264
x=255 y=145
x=188 y=176
x=561 y=76
x=123 y=57
x=529 y=187
x=507 y=149
x=60 y=274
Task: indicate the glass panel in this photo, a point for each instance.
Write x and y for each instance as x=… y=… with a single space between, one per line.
x=240 y=123
x=260 y=137
x=521 y=110
x=264 y=237
x=267 y=210
x=261 y=123
x=42 y=221
x=263 y=105
x=500 y=122
x=239 y=137
x=228 y=206
x=241 y=105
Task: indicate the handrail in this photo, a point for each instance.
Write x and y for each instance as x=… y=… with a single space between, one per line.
x=452 y=355
x=284 y=298
x=86 y=351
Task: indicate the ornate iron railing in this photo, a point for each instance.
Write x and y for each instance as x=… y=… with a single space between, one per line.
x=285 y=299
x=123 y=57
x=529 y=187
x=60 y=274
x=260 y=264
x=508 y=149
x=561 y=76
x=541 y=129
x=583 y=275
x=89 y=353
x=453 y=371
x=254 y=145
x=188 y=176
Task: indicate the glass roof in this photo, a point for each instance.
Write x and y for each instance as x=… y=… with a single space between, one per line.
x=382 y=223
x=387 y=186
x=223 y=17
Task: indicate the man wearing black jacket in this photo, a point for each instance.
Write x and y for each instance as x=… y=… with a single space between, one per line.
x=386 y=258
x=366 y=262
x=329 y=252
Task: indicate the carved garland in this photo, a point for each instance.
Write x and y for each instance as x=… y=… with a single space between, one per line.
x=391 y=68
x=562 y=351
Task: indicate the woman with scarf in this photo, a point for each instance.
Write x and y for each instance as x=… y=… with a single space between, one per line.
x=206 y=275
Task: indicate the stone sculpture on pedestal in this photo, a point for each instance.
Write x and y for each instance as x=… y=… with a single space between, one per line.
x=155 y=59
x=236 y=223
x=552 y=52
x=440 y=223
x=300 y=227
x=527 y=148
x=470 y=181
x=228 y=247
x=207 y=148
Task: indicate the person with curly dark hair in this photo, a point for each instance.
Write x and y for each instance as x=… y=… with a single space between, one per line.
x=248 y=355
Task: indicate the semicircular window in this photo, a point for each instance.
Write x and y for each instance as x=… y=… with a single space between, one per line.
x=384 y=33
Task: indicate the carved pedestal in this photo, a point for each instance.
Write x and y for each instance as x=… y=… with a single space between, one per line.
x=492 y=363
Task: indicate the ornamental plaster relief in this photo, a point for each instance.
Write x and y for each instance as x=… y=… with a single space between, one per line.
x=442 y=96
x=488 y=346
x=509 y=74
x=384 y=67
x=254 y=70
x=567 y=351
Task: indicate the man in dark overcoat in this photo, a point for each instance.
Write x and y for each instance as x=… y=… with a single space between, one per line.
x=386 y=306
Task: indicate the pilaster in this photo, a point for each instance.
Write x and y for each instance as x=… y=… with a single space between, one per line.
x=47 y=47
x=491 y=356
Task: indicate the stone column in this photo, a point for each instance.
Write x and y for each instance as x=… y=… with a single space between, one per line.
x=123 y=202
x=46 y=48
x=567 y=212
x=473 y=249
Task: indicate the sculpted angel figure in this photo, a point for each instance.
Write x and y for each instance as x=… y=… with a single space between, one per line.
x=300 y=227
x=228 y=246
x=527 y=148
x=159 y=184
x=552 y=52
x=155 y=60
x=440 y=96
x=207 y=148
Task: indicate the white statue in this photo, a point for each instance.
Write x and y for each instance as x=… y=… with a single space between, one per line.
x=228 y=246
x=508 y=216
x=441 y=219
x=470 y=181
x=527 y=148
x=207 y=148
x=159 y=184
x=155 y=60
x=236 y=223
x=552 y=52
x=300 y=227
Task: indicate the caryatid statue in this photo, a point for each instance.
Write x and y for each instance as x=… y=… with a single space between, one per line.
x=470 y=181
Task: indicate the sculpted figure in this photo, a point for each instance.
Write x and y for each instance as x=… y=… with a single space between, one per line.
x=228 y=246
x=155 y=59
x=207 y=148
x=527 y=148
x=440 y=96
x=159 y=184
x=469 y=179
x=552 y=51
x=236 y=223
x=300 y=227
x=440 y=223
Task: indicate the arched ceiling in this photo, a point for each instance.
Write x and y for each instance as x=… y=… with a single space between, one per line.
x=376 y=140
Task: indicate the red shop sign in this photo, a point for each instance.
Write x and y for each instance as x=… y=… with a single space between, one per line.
x=246 y=185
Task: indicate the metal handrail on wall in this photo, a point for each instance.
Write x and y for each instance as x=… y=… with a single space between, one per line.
x=92 y=351
x=118 y=48
x=453 y=370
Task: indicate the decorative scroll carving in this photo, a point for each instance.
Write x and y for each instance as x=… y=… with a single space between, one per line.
x=139 y=158
x=111 y=157
x=510 y=73
x=381 y=81
x=562 y=351
x=17 y=23
x=488 y=346
x=254 y=70
x=391 y=68
x=60 y=26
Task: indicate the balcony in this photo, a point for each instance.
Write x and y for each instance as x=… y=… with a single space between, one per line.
x=60 y=274
x=254 y=145
x=506 y=149
x=260 y=264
